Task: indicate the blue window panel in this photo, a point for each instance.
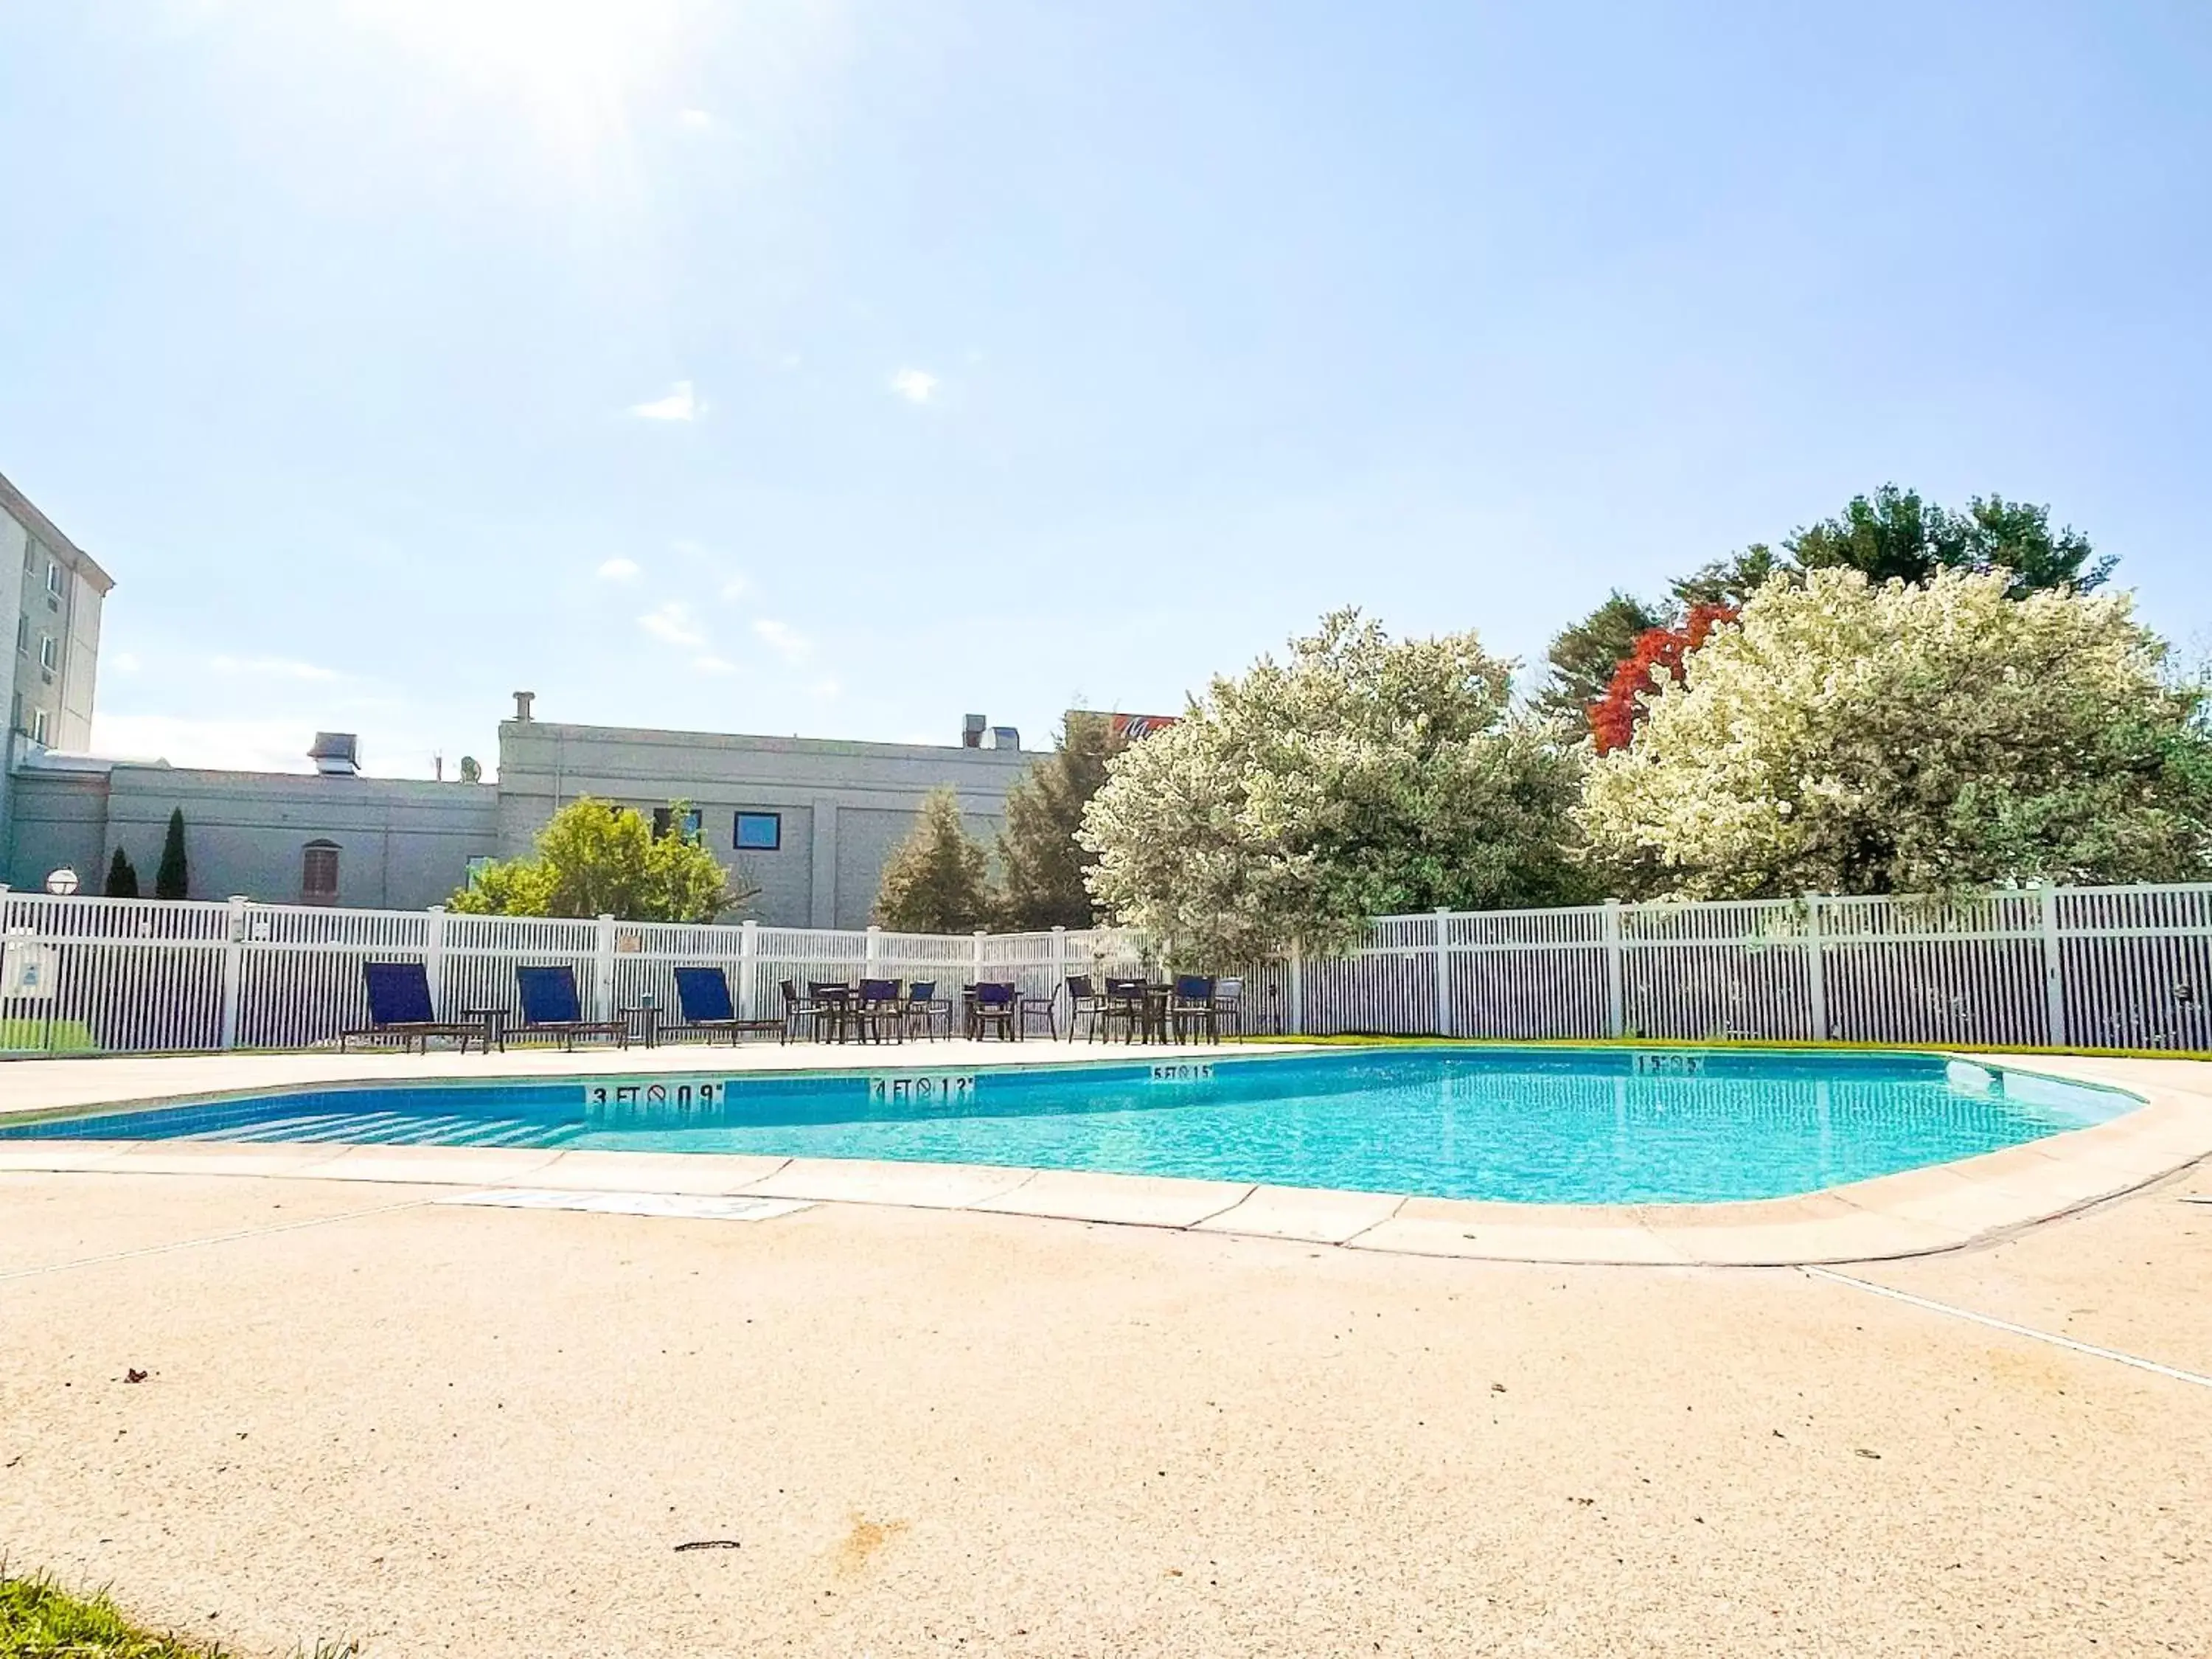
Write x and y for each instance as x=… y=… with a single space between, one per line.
x=758 y=832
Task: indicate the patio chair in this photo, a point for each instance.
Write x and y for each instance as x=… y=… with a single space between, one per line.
x=1127 y=1001
x=808 y=1011
x=703 y=993
x=1029 y=1008
x=1229 y=1006
x=923 y=1003
x=878 y=1009
x=993 y=1005
x=400 y=1007
x=550 y=1007
x=1190 y=1007
x=1082 y=999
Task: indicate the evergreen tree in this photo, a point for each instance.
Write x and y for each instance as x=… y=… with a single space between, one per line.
x=934 y=882
x=174 y=880
x=1041 y=865
x=122 y=878
x=1895 y=534
x=1584 y=657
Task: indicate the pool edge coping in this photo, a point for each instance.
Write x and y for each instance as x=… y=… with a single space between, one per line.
x=1931 y=1209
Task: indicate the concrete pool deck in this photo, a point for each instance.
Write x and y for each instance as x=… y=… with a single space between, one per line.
x=440 y=1429
x=1919 y=1212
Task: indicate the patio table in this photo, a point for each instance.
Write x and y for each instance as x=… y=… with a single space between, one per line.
x=493 y=1021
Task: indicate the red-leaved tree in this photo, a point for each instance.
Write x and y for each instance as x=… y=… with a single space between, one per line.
x=1614 y=717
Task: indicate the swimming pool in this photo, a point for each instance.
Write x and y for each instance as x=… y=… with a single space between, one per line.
x=1556 y=1125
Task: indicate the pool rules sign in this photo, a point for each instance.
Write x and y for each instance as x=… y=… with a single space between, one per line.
x=27 y=969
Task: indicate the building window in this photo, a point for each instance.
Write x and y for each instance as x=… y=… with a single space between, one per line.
x=663 y=822
x=54 y=578
x=38 y=726
x=758 y=832
x=319 y=873
x=23 y=634
x=50 y=653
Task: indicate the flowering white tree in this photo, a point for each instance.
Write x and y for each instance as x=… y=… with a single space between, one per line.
x=1843 y=736
x=1361 y=777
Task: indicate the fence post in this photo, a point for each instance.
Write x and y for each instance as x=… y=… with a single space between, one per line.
x=603 y=967
x=2054 y=967
x=872 y=952
x=434 y=954
x=1444 y=973
x=1296 y=1023
x=1060 y=972
x=980 y=937
x=233 y=969
x=748 y=961
x=1816 y=968
x=1616 y=982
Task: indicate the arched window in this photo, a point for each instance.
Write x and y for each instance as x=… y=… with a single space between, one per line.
x=319 y=873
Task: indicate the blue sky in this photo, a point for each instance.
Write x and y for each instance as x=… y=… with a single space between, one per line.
x=839 y=368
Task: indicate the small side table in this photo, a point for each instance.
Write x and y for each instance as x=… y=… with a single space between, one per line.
x=493 y=1021
x=647 y=1017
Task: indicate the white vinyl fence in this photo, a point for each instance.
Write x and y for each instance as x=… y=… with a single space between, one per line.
x=2119 y=967
x=141 y=974
x=2083 y=967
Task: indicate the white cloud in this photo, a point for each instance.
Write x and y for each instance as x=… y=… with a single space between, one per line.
x=618 y=570
x=273 y=667
x=223 y=745
x=711 y=664
x=916 y=386
x=673 y=623
x=784 y=639
x=680 y=404
x=736 y=588
x=827 y=688
x=125 y=662
x=696 y=121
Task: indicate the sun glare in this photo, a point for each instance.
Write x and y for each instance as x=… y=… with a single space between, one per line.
x=574 y=64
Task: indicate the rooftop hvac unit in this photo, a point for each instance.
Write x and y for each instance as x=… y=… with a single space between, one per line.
x=336 y=754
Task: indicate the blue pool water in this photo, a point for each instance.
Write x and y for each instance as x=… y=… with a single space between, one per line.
x=1556 y=1125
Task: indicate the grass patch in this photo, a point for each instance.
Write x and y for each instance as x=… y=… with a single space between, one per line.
x=1369 y=1040
x=67 y=1036
x=39 y=1620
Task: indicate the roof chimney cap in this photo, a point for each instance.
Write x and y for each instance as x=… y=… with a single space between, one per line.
x=336 y=754
x=522 y=701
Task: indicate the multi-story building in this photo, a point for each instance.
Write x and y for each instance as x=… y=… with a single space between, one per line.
x=52 y=616
x=51 y=592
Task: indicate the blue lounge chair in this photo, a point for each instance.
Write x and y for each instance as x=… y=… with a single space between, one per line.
x=400 y=1007
x=704 y=996
x=550 y=1007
